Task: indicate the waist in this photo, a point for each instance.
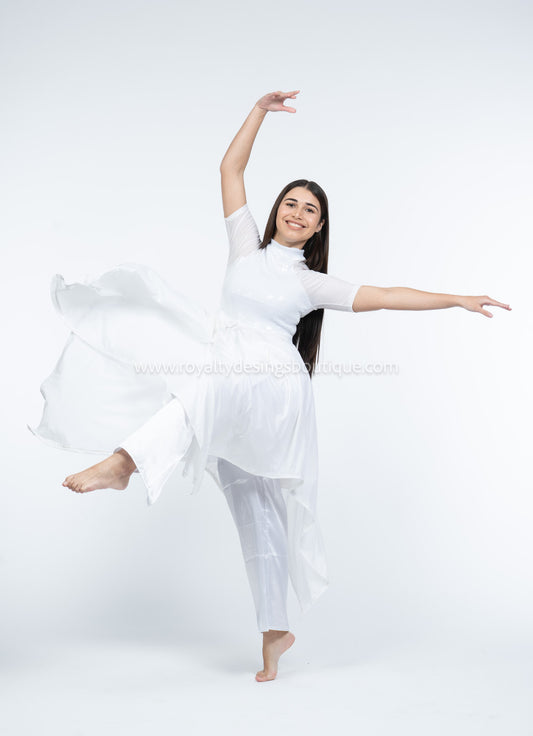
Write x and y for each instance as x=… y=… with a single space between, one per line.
x=260 y=328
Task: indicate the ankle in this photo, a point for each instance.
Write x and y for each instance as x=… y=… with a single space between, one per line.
x=273 y=634
x=127 y=462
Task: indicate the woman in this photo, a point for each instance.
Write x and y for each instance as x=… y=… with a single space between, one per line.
x=251 y=424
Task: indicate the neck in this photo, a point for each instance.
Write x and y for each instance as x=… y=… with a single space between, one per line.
x=281 y=241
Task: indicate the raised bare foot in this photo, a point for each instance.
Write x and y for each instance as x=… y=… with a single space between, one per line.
x=113 y=472
x=274 y=644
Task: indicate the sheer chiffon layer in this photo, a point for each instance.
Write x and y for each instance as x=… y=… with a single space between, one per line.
x=136 y=343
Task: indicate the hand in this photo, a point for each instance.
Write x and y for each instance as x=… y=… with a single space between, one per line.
x=475 y=304
x=274 y=101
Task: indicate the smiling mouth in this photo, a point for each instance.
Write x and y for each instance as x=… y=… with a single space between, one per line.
x=294 y=225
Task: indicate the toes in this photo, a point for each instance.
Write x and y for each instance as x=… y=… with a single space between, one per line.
x=86 y=486
x=263 y=676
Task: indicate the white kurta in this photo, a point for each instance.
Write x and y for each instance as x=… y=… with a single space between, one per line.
x=136 y=342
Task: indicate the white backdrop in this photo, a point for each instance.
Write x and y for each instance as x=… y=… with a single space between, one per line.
x=416 y=119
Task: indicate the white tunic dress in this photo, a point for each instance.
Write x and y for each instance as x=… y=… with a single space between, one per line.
x=135 y=343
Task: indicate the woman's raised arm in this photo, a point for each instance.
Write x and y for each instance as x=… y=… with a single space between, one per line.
x=238 y=153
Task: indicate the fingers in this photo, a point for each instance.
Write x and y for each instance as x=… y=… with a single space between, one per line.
x=280 y=97
x=500 y=304
x=488 y=300
x=289 y=95
x=476 y=304
x=284 y=95
x=484 y=300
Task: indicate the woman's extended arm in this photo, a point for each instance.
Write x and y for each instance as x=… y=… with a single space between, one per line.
x=370 y=298
x=238 y=153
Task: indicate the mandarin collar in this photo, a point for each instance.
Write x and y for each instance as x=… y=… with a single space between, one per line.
x=295 y=254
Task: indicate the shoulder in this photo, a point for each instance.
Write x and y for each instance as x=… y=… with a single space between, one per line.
x=240 y=219
x=243 y=234
x=241 y=212
x=308 y=276
x=327 y=291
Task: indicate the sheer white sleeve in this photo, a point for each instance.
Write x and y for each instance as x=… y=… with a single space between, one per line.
x=243 y=235
x=328 y=292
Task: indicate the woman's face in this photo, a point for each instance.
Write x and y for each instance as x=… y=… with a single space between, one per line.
x=298 y=218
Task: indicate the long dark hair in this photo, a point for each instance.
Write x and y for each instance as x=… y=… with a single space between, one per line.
x=316 y=250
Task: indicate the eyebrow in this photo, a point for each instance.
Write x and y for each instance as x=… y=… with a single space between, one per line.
x=291 y=199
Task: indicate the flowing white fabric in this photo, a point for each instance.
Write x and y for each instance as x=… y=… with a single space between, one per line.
x=135 y=342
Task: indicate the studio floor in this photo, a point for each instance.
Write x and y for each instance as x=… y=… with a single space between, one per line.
x=100 y=688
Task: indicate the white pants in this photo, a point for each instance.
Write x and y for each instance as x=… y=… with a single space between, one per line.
x=256 y=504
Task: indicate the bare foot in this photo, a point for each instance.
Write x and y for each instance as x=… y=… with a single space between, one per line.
x=113 y=472
x=274 y=644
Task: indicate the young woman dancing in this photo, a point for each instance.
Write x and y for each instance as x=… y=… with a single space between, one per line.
x=246 y=414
